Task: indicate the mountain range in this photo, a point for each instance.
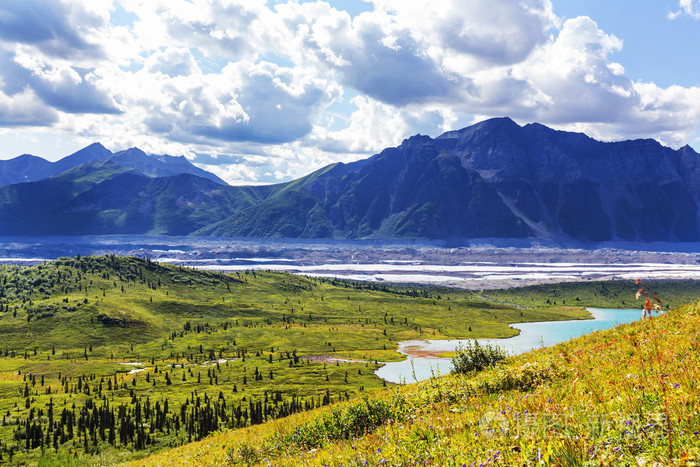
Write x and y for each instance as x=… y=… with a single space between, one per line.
x=28 y=168
x=495 y=179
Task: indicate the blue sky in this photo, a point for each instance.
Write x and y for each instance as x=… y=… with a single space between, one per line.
x=263 y=91
x=655 y=48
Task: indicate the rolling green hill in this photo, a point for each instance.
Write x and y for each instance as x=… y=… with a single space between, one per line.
x=111 y=358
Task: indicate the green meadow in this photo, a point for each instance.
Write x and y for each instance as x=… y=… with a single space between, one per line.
x=106 y=360
x=623 y=396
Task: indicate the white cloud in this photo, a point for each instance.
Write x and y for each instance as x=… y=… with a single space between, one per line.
x=25 y=109
x=500 y=33
x=258 y=84
x=66 y=88
x=236 y=29
x=376 y=125
x=416 y=52
x=59 y=29
x=173 y=61
x=572 y=76
x=234 y=174
x=247 y=101
x=686 y=7
x=390 y=64
x=579 y=88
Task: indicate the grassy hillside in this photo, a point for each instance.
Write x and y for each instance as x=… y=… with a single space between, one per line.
x=105 y=359
x=625 y=396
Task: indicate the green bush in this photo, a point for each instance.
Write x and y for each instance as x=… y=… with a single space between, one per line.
x=355 y=420
x=472 y=357
x=341 y=423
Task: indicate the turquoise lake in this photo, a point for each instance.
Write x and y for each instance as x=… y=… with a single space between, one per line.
x=418 y=367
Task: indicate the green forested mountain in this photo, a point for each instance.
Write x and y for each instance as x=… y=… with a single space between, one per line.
x=108 y=197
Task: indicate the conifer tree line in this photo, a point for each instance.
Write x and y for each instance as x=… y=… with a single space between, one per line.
x=69 y=413
x=89 y=423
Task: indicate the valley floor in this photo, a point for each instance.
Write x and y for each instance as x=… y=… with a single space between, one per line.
x=625 y=396
x=108 y=359
x=492 y=264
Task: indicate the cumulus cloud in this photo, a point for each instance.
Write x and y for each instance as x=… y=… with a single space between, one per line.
x=415 y=52
x=260 y=102
x=686 y=7
x=42 y=49
x=500 y=33
x=72 y=90
x=235 y=29
x=374 y=53
x=392 y=67
x=277 y=103
x=60 y=87
x=25 y=109
x=173 y=61
x=241 y=164
x=56 y=28
x=576 y=86
x=234 y=174
x=574 y=78
x=271 y=90
x=376 y=125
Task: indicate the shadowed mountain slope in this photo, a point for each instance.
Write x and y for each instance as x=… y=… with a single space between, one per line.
x=497 y=179
x=28 y=168
x=494 y=179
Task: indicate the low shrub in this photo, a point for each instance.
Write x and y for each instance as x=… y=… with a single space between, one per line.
x=473 y=357
x=356 y=420
x=342 y=423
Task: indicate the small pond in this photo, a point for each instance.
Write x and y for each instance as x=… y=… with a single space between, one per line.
x=423 y=360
